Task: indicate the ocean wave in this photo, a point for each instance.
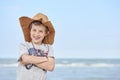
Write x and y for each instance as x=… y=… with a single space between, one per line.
x=88 y=65
x=9 y=65
x=71 y=65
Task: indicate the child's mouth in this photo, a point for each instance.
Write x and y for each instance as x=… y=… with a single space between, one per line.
x=36 y=37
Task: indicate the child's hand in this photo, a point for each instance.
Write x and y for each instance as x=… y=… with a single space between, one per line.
x=25 y=59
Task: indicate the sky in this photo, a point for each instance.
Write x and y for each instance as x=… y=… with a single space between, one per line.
x=84 y=28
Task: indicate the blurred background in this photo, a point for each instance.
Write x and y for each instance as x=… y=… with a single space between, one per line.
x=87 y=40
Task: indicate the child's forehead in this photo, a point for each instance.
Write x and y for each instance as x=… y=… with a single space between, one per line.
x=38 y=26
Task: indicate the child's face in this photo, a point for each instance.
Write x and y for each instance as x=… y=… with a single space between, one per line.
x=37 y=33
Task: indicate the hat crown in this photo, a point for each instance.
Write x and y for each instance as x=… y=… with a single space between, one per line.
x=41 y=17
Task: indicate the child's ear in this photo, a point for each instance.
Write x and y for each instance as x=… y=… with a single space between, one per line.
x=47 y=33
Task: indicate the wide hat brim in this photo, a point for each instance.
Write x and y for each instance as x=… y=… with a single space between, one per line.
x=26 y=21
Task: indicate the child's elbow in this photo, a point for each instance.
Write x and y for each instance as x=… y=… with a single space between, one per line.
x=51 y=64
x=51 y=68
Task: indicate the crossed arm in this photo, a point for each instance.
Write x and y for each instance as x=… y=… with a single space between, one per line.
x=46 y=63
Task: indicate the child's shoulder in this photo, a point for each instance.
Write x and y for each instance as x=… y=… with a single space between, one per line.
x=25 y=43
x=48 y=45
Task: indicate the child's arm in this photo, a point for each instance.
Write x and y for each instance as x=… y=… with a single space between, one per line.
x=29 y=59
x=46 y=63
x=49 y=65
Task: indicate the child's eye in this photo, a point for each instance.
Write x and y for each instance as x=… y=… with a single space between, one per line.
x=41 y=31
x=34 y=30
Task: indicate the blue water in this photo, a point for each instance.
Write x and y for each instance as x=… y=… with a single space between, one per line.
x=70 y=69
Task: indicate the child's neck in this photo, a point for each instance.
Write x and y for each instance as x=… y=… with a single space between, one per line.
x=36 y=43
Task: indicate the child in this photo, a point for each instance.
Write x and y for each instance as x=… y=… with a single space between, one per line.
x=36 y=53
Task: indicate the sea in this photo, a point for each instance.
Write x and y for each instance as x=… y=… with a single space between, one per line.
x=70 y=69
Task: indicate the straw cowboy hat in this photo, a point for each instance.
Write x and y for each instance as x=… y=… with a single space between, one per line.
x=26 y=21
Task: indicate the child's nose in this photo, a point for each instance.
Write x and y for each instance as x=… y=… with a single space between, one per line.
x=37 y=32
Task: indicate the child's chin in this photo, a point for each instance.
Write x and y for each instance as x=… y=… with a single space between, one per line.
x=37 y=42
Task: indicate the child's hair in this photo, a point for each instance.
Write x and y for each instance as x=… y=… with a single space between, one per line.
x=38 y=23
